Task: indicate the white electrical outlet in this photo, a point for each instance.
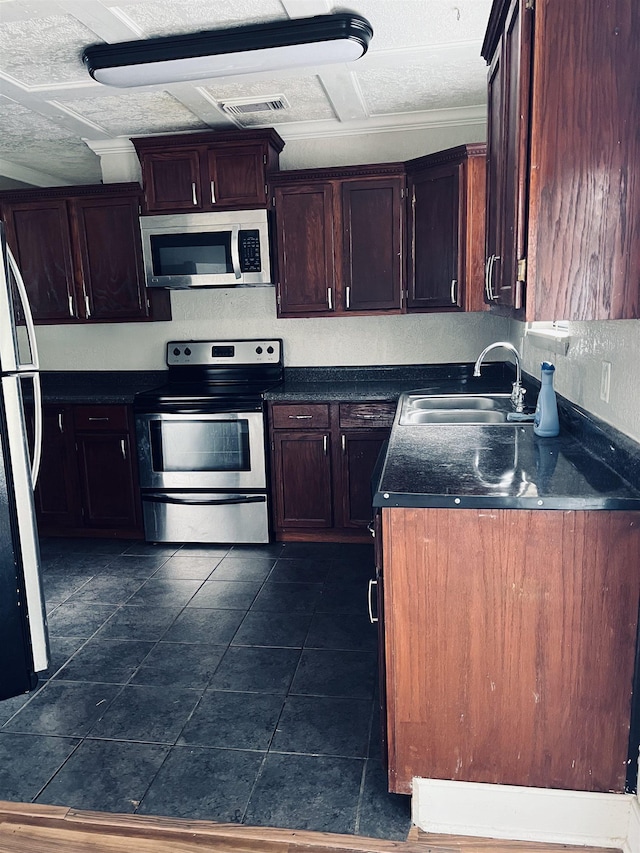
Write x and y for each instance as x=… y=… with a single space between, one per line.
x=605 y=381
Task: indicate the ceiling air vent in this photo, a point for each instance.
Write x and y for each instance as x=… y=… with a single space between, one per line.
x=242 y=106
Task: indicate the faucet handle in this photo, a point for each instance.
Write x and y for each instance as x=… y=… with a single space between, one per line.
x=517 y=396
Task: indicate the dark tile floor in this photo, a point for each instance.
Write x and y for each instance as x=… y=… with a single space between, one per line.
x=233 y=684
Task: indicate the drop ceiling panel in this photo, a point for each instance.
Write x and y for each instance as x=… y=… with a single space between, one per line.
x=136 y=113
x=28 y=139
x=418 y=86
x=184 y=16
x=44 y=51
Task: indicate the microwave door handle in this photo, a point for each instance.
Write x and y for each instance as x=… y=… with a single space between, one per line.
x=235 y=250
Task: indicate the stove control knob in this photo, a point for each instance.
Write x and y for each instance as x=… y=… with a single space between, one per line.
x=176 y=351
x=187 y=351
x=270 y=350
x=259 y=350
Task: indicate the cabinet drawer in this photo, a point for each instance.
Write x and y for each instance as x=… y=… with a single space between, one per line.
x=101 y=418
x=305 y=416
x=366 y=414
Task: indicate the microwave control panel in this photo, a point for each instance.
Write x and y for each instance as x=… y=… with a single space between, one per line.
x=250 y=251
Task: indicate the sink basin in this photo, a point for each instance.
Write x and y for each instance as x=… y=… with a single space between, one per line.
x=454 y=401
x=453 y=416
x=421 y=408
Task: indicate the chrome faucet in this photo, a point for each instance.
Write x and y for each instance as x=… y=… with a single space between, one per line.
x=517 y=391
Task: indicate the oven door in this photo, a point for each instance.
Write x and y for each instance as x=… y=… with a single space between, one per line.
x=201 y=451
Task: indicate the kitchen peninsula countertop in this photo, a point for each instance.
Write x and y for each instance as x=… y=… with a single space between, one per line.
x=588 y=466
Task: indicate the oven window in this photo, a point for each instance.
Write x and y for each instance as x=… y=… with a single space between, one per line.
x=200 y=445
x=207 y=253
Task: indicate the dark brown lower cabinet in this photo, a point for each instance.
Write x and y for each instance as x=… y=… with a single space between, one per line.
x=323 y=457
x=510 y=641
x=88 y=482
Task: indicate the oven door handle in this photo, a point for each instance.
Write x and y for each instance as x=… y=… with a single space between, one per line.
x=205 y=500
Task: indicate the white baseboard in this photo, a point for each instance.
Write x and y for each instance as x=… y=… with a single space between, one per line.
x=632 y=843
x=527 y=814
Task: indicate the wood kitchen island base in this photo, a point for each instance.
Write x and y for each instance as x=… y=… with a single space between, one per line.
x=510 y=640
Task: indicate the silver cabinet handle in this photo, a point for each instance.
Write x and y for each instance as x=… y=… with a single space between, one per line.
x=194 y=197
x=330 y=298
x=344 y=443
x=98 y=419
x=300 y=417
x=348 y=296
x=60 y=422
x=70 y=305
x=123 y=448
x=373 y=619
x=325 y=443
x=486 y=277
x=370 y=417
x=453 y=291
x=213 y=192
x=491 y=296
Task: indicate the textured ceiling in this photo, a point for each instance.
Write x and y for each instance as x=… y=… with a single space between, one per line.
x=424 y=58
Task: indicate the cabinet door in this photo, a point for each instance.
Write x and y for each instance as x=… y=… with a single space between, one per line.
x=107 y=479
x=235 y=177
x=372 y=244
x=39 y=234
x=302 y=475
x=304 y=225
x=172 y=180
x=434 y=240
x=57 y=498
x=360 y=451
x=111 y=258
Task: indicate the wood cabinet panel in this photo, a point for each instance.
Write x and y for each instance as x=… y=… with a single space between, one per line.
x=304 y=226
x=300 y=416
x=172 y=181
x=446 y=230
x=510 y=640
x=563 y=241
x=57 y=492
x=88 y=478
x=40 y=237
x=372 y=244
x=106 y=482
x=109 y=241
x=303 y=479
x=236 y=176
x=360 y=451
x=323 y=456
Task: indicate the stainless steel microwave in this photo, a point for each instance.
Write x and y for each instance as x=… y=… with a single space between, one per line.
x=220 y=249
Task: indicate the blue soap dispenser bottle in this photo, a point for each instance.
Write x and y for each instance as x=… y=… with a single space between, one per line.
x=545 y=421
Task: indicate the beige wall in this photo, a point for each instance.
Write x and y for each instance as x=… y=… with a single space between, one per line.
x=578 y=372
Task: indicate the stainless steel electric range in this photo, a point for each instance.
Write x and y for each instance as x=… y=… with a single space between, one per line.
x=202 y=442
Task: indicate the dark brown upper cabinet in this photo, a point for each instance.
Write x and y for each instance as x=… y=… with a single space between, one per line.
x=207 y=171
x=340 y=240
x=563 y=236
x=79 y=252
x=446 y=230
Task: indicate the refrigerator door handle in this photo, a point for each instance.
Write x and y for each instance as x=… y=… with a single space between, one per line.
x=37 y=426
x=28 y=316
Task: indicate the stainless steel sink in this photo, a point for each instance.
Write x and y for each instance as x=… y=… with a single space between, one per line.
x=454 y=416
x=455 y=401
x=418 y=407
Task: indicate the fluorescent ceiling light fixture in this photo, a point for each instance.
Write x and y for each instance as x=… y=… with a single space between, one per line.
x=253 y=48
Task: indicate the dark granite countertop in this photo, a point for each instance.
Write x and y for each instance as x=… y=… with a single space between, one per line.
x=464 y=466
x=99 y=386
x=356 y=384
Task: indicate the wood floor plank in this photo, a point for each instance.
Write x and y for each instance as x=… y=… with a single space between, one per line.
x=32 y=828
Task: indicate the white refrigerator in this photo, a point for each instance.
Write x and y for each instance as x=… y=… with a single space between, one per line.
x=23 y=628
